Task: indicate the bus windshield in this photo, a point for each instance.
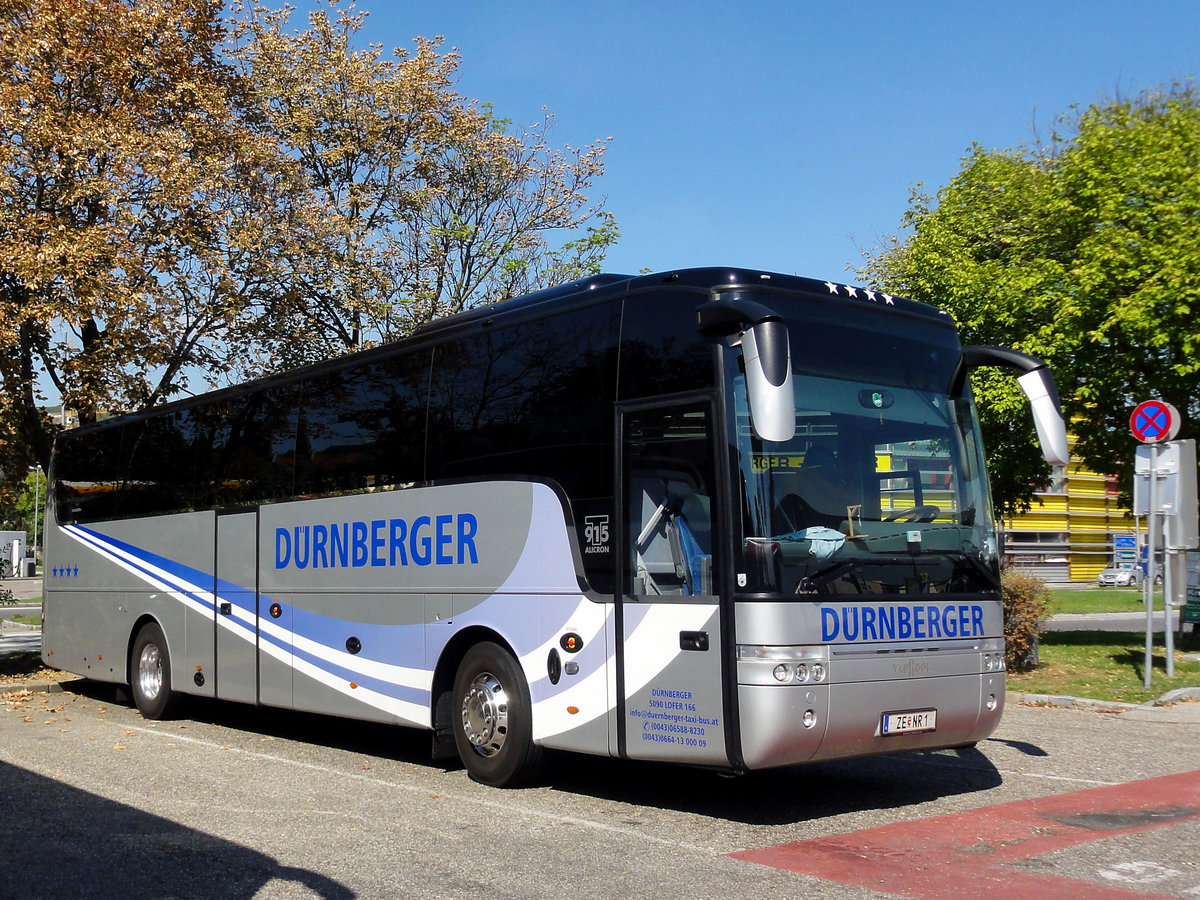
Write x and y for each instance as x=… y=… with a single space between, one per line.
x=881 y=490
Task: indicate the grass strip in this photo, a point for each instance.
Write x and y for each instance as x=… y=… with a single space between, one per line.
x=1099 y=600
x=1104 y=665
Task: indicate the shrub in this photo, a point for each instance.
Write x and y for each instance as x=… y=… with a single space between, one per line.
x=1026 y=608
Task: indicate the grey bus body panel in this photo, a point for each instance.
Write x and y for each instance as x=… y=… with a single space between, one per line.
x=847 y=717
x=93 y=601
x=236 y=659
x=359 y=628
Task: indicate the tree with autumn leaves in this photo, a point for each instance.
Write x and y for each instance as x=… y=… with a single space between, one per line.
x=188 y=190
x=425 y=204
x=133 y=183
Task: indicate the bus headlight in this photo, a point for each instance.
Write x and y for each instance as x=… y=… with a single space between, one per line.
x=766 y=664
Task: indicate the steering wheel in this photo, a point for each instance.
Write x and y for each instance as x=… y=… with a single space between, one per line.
x=926 y=512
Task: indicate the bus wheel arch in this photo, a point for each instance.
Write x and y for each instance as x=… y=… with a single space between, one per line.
x=482 y=701
x=442 y=684
x=149 y=671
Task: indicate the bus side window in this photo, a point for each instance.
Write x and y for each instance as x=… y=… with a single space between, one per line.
x=669 y=522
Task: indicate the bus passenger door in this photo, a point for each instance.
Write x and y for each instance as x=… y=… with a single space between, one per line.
x=234 y=607
x=669 y=651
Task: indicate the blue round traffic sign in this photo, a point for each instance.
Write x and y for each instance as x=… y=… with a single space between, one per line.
x=1154 y=421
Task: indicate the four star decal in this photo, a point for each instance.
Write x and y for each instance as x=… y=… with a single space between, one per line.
x=873 y=296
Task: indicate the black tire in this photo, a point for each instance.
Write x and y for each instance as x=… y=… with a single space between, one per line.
x=150 y=674
x=493 y=719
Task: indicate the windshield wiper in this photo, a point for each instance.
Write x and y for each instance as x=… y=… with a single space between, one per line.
x=989 y=574
x=832 y=571
x=838 y=568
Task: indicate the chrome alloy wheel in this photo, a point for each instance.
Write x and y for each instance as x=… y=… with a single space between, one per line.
x=485 y=714
x=150 y=671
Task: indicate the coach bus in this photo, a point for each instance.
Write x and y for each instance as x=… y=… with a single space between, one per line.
x=717 y=517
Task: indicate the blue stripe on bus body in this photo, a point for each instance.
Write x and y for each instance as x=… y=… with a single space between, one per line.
x=142 y=561
x=392 y=689
x=327 y=631
x=183 y=582
x=187 y=581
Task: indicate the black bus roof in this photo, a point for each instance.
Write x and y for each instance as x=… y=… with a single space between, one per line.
x=581 y=292
x=710 y=278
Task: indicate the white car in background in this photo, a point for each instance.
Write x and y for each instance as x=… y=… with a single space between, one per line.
x=1115 y=577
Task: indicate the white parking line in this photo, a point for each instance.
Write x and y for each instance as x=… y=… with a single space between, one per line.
x=412 y=789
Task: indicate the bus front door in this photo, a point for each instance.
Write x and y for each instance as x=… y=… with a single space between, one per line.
x=235 y=602
x=669 y=654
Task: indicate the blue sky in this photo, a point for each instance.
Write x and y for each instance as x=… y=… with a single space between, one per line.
x=785 y=135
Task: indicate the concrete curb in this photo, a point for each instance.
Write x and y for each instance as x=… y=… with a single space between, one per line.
x=18 y=626
x=1073 y=702
x=1186 y=693
x=37 y=687
x=1163 y=702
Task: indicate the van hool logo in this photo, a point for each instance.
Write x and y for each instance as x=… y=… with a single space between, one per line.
x=595 y=532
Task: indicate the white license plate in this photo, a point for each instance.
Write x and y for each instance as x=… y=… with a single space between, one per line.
x=909 y=722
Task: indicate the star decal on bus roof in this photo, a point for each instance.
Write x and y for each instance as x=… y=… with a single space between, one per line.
x=873 y=296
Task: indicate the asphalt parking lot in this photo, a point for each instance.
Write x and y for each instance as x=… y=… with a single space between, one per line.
x=233 y=801
x=238 y=802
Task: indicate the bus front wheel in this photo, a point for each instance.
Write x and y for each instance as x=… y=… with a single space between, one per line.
x=150 y=674
x=493 y=718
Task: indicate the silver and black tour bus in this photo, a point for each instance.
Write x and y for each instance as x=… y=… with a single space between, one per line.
x=717 y=517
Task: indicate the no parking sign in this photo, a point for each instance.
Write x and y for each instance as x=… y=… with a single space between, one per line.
x=1154 y=421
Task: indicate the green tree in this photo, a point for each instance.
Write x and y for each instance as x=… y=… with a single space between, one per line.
x=1086 y=252
x=28 y=507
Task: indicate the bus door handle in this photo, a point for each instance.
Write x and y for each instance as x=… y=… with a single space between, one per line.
x=693 y=640
x=226 y=608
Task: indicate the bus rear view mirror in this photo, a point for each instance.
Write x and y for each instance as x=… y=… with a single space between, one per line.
x=1038 y=386
x=1037 y=381
x=766 y=352
x=768 y=357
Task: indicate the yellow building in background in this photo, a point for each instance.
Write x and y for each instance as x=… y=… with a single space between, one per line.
x=1067 y=535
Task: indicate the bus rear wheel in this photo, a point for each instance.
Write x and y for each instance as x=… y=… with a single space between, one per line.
x=493 y=718
x=150 y=674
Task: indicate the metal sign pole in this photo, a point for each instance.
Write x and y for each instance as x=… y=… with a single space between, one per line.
x=1168 y=594
x=1152 y=422
x=1151 y=552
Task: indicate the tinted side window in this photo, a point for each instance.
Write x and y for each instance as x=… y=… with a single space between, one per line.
x=363 y=428
x=86 y=476
x=661 y=351
x=157 y=466
x=535 y=400
x=246 y=448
